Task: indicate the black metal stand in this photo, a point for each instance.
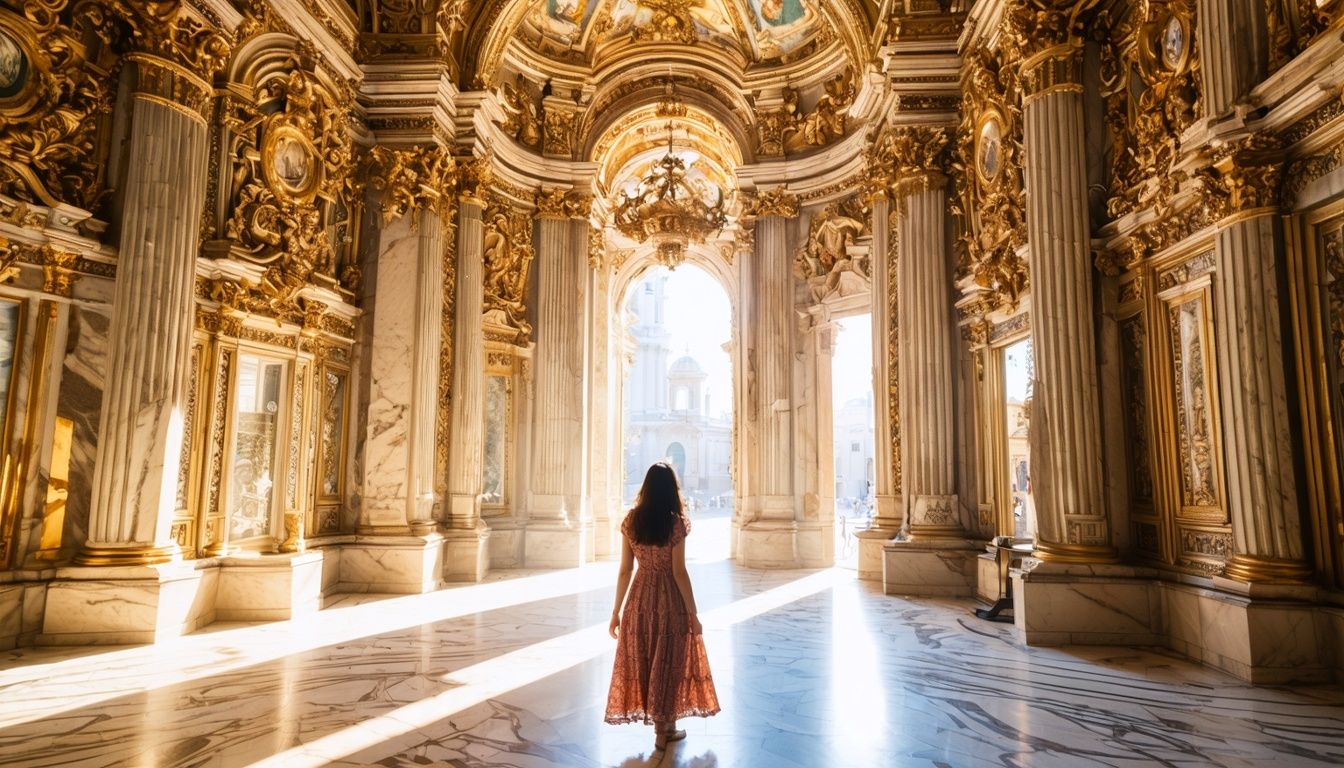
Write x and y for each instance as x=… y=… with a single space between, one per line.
x=1004 y=556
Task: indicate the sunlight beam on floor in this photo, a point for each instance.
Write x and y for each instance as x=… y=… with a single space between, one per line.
x=510 y=671
x=68 y=684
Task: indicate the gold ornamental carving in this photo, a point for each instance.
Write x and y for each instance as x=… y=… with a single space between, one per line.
x=522 y=121
x=552 y=203
x=916 y=158
x=474 y=177
x=290 y=197
x=419 y=178
x=53 y=93
x=826 y=122
x=772 y=202
x=1150 y=86
x=1245 y=176
x=558 y=131
x=671 y=22
x=508 y=255
x=825 y=261
x=58 y=271
x=987 y=168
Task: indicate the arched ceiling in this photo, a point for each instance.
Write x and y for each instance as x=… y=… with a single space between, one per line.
x=573 y=39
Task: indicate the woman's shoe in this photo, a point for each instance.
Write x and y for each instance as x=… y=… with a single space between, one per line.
x=664 y=738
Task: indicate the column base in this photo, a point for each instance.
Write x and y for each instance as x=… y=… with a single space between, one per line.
x=557 y=545
x=1074 y=554
x=407 y=565
x=121 y=605
x=768 y=544
x=506 y=543
x=871 y=553
x=130 y=555
x=816 y=544
x=1267 y=570
x=466 y=554
x=930 y=568
x=269 y=587
x=935 y=517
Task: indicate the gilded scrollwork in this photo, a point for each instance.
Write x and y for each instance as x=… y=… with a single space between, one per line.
x=411 y=179
x=987 y=169
x=291 y=199
x=521 y=119
x=559 y=126
x=51 y=146
x=772 y=202
x=825 y=123
x=508 y=255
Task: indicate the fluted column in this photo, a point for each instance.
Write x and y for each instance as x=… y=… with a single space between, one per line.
x=1231 y=49
x=468 y=424
x=141 y=426
x=768 y=530
x=1262 y=493
x=1072 y=523
x=558 y=515
x=926 y=335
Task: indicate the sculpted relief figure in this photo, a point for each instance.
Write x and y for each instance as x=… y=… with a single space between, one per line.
x=826 y=262
x=521 y=118
x=827 y=120
x=508 y=256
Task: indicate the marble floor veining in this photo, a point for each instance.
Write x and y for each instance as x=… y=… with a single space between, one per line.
x=814 y=670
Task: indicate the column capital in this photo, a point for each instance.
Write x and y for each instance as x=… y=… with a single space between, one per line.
x=561 y=203
x=474 y=176
x=916 y=158
x=1245 y=176
x=1047 y=36
x=771 y=202
x=413 y=177
x=176 y=54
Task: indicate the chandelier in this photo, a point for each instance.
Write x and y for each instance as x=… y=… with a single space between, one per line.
x=668 y=210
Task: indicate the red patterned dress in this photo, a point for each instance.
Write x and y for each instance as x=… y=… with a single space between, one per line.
x=661 y=672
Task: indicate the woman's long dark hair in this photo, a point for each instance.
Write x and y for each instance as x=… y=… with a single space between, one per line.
x=657 y=507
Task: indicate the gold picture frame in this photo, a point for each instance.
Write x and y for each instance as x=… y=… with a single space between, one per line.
x=290 y=164
x=989 y=157
x=21 y=66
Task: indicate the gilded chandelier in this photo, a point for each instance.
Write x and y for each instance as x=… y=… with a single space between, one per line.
x=669 y=210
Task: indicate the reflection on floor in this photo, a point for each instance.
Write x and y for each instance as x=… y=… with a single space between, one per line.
x=814 y=670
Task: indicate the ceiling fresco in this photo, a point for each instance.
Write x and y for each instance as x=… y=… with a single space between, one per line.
x=760 y=29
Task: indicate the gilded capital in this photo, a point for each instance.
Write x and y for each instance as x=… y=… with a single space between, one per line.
x=1246 y=176
x=474 y=176
x=772 y=202
x=917 y=157
x=415 y=177
x=58 y=271
x=552 y=204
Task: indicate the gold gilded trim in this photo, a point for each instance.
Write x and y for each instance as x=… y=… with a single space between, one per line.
x=1074 y=553
x=1267 y=570
x=130 y=555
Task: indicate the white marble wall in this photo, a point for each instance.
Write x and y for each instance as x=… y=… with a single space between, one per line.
x=398 y=483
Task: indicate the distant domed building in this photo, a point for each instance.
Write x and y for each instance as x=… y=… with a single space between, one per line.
x=669 y=414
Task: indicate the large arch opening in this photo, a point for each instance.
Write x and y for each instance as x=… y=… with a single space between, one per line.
x=676 y=394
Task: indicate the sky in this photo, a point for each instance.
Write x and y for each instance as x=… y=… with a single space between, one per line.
x=699 y=318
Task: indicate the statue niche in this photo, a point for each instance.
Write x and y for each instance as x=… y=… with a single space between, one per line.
x=826 y=122
x=830 y=263
x=522 y=118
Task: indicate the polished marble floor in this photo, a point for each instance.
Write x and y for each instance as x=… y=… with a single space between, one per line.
x=814 y=669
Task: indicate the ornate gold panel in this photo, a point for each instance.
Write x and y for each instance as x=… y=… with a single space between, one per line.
x=1192 y=374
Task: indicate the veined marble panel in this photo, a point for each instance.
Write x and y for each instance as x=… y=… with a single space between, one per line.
x=813 y=669
x=81 y=401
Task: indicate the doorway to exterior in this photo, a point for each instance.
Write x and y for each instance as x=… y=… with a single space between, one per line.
x=853 y=420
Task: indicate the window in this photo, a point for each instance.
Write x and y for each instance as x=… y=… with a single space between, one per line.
x=253 y=467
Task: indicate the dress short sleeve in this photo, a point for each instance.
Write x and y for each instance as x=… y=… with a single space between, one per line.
x=625 y=525
x=680 y=530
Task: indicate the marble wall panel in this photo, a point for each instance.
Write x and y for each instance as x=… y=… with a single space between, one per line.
x=81 y=401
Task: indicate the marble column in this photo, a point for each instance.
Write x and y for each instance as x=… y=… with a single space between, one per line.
x=926 y=333
x=466 y=554
x=1231 y=49
x=141 y=427
x=769 y=531
x=815 y=438
x=1262 y=492
x=603 y=450
x=558 y=529
x=1072 y=524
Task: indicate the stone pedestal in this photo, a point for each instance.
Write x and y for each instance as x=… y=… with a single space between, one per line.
x=937 y=567
x=269 y=588
x=401 y=564
x=467 y=554
x=121 y=605
x=1086 y=604
x=559 y=529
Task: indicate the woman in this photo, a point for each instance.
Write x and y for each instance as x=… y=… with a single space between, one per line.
x=661 y=671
